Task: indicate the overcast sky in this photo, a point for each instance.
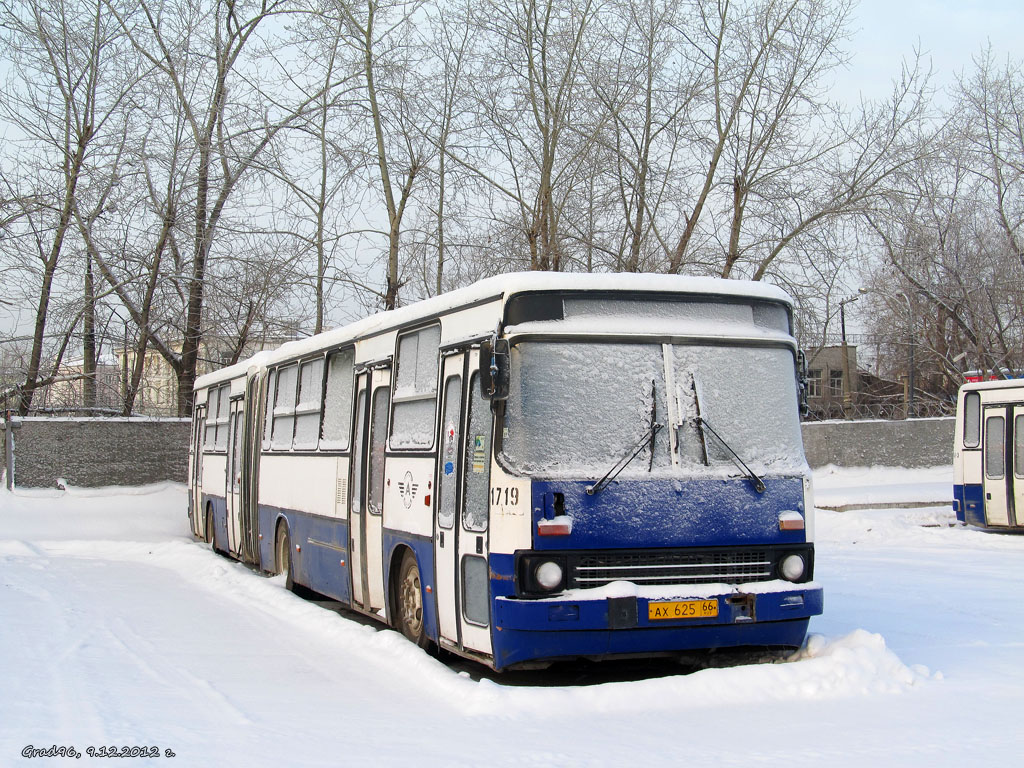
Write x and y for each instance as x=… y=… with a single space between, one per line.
x=884 y=32
x=949 y=32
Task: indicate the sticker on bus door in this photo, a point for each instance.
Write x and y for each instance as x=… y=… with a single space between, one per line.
x=479 y=454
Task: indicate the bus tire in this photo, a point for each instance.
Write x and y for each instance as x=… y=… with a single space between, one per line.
x=208 y=526
x=283 y=555
x=409 y=601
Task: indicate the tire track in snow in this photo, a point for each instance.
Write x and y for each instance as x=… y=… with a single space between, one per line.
x=60 y=701
x=148 y=659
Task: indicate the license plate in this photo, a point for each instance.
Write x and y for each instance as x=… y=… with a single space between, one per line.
x=683 y=609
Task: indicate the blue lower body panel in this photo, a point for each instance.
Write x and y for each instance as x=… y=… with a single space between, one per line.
x=321 y=557
x=219 y=507
x=321 y=560
x=528 y=630
x=969 y=504
x=958 y=502
x=423 y=550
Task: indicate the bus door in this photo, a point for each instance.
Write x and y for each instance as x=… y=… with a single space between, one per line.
x=463 y=574
x=373 y=399
x=998 y=478
x=233 y=491
x=196 y=473
x=1016 y=470
x=449 y=463
x=250 y=445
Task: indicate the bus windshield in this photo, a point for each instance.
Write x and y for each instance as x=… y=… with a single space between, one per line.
x=575 y=408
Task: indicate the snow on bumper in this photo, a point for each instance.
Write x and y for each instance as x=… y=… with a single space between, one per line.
x=621 y=606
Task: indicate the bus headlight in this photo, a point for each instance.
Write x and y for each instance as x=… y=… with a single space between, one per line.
x=548 y=575
x=541 y=573
x=792 y=567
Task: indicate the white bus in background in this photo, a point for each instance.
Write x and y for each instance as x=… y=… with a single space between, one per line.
x=538 y=466
x=988 y=454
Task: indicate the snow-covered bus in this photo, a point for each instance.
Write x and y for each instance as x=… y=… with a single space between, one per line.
x=988 y=454
x=531 y=468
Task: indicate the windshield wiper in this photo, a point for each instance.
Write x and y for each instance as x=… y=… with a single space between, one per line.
x=756 y=481
x=635 y=450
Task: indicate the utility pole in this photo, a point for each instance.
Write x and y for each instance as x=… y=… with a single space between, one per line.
x=909 y=397
x=847 y=393
x=9 y=426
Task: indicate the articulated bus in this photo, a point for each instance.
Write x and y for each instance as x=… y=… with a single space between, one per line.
x=988 y=455
x=534 y=467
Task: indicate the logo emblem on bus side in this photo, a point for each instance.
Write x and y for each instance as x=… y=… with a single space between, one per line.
x=407 y=488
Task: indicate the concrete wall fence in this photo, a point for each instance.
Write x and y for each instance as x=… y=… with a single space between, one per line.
x=99 y=452
x=89 y=452
x=878 y=443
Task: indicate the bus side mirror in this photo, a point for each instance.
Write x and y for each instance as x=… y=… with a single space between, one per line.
x=494 y=369
x=801 y=372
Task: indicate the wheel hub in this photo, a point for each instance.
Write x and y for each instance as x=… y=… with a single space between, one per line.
x=412 y=608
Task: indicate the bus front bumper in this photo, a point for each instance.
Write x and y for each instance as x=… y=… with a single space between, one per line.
x=773 y=614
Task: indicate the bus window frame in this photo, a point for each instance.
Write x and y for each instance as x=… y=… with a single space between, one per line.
x=972 y=398
x=329 y=447
x=219 y=423
x=433 y=396
x=316 y=407
x=281 y=411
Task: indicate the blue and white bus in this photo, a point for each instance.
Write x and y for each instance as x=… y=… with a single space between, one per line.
x=531 y=468
x=988 y=455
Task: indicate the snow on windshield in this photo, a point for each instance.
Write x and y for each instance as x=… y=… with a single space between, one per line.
x=747 y=395
x=575 y=409
x=580 y=407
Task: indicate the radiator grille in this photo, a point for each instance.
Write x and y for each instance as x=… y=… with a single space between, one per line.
x=664 y=568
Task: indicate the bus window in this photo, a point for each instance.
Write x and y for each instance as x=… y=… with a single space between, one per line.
x=358 y=449
x=1018 y=446
x=210 y=436
x=307 y=409
x=416 y=389
x=338 y=402
x=994 y=447
x=284 y=408
x=223 y=396
x=475 y=596
x=449 y=452
x=972 y=420
x=268 y=418
x=478 y=461
x=378 y=437
x=236 y=454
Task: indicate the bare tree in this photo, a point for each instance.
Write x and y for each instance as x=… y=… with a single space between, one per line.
x=68 y=94
x=646 y=91
x=445 y=106
x=199 y=57
x=312 y=159
x=991 y=101
x=382 y=35
x=949 y=279
x=529 y=102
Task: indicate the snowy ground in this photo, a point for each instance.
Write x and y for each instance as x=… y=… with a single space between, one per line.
x=116 y=629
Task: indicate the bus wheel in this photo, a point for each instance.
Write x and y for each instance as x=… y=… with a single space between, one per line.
x=409 y=601
x=208 y=526
x=283 y=555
